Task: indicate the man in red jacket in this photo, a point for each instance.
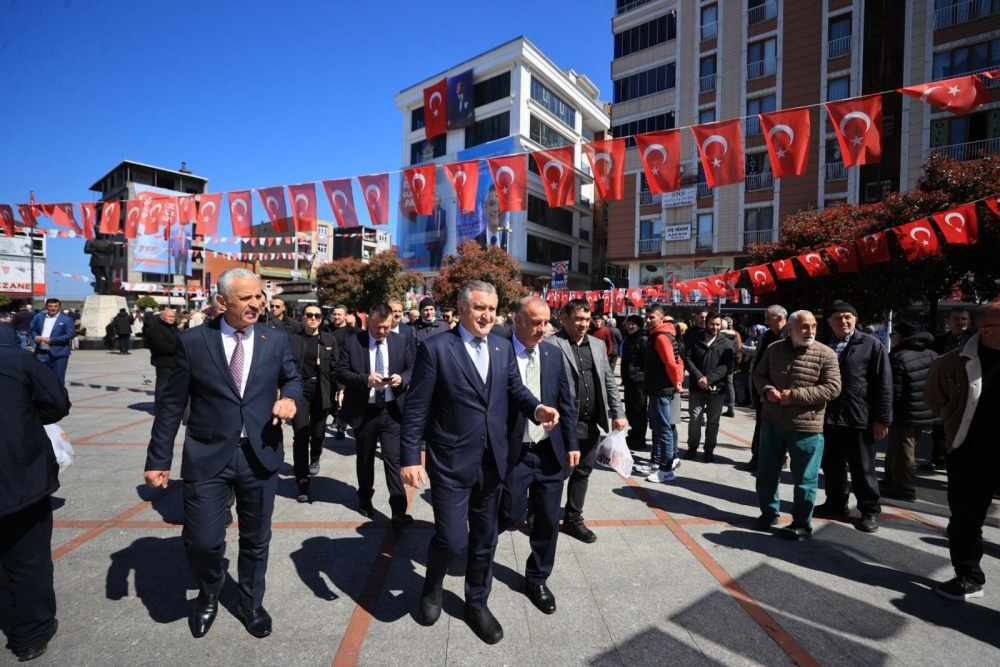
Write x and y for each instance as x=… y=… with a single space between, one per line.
x=664 y=382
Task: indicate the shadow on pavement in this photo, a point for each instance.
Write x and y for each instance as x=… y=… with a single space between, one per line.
x=170 y=506
x=162 y=581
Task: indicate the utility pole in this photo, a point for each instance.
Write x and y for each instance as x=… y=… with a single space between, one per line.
x=31 y=252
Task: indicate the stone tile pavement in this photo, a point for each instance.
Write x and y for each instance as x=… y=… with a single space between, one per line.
x=675 y=577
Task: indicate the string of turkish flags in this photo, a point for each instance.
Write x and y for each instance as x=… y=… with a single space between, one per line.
x=612 y=301
x=916 y=239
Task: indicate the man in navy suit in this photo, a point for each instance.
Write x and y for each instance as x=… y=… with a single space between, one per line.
x=53 y=333
x=538 y=458
x=241 y=380
x=463 y=381
x=375 y=368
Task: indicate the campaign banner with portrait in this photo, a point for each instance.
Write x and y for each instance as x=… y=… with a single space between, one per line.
x=487 y=224
x=559 y=272
x=160 y=252
x=425 y=239
x=461 y=107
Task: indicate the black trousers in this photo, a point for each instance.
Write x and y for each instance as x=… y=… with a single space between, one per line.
x=536 y=481
x=102 y=282
x=204 y=533
x=124 y=343
x=162 y=377
x=635 y=412
x=310 y=429
x=850 y=448
x=973 y=478
x=380 y=425
x=579 y=477
x=940 y=443
x=26 y=555
x=755 y=442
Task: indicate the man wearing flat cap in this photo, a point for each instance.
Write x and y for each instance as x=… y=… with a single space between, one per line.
x=428 y=324
x=855 y=419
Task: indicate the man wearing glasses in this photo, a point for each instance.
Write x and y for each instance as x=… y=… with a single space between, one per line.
x=279 y=318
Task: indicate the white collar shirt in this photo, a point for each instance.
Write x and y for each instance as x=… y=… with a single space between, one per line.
x=389 y=395
x=521 y=354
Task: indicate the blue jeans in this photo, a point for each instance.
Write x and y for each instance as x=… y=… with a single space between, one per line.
x=806 y=452
x=23 y=336
x=663 y=436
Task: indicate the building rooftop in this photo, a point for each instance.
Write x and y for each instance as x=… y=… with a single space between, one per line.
x=96 y=187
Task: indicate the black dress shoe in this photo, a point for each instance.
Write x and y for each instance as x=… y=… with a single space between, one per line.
x=541 y=597
x=832 y=511
x=340 y=435
x=38 y=649
x=366 y=510
x=691 y=454
x=400 y=521
x=484 y=624
x=257 y=621
x=750 y=466
x=431 y=600
x=579 y=531
x=303 y=496
x=203 y=614
x=796 y=532
x=764 y=523
x=709 y=456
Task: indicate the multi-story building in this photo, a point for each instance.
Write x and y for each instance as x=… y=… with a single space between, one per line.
x=522 y=102
x=19 y=256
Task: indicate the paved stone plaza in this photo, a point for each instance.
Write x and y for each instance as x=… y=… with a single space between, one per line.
x=676 y=576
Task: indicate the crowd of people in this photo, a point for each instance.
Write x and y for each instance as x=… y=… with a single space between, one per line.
x=501 y=416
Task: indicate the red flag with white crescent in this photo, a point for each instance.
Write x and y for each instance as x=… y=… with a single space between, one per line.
x=7 y=219
x=761 y=279
x=375 y=189
x=858 y=124
x=133 y=214
x=619 y=300
x=241 y=212
x=813 y=264
x=733 y=277
x=635 y=298
x=846 y=257
x=341 y=195
x=918 y=240
x=273 y=200
x=510 y=177
x=558 y=176
x=660 y=153
x=88 y=213
x=464 y=178
x=682 y=287
x=721 y=148
x=994 y=204
x=703 y=285
x=607 y=161
x=874 y=248
x=606 y=299
x=62 y=215
x=591 y=297
x=959 y=96
x=422 y=187
x=208 y=214
x=111 y=218
x=186 y=210
x=719 y=283
x=784 y=269
x=787 y=136
x=303 y=197
x=959 y=225
x=436 y=109
x=27 y=214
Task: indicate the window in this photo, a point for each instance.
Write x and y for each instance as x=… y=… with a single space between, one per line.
x=553 y=103
x=541 y=133
x=967 y=59
x=321 y=248
x=758 y=105
x=544 y=251
x=622 y=6
x=156 y=278
x=663 y=121
x=758 y=225
x=417 y=148
x=705 y=237
x=416 y=119
x=761 y=10
x=645 y=83
x=651 y=230
x=761 y=58
x=558 y=219
x=706 y=74
x=758 y=172
x=654 y=32
x=834 y=161
x=323 y=231
x=709 y=22
x=584 y=236
x=488 y=129
x=839 y=37
x=838 y=89
x=706 y=116
x=491 y=90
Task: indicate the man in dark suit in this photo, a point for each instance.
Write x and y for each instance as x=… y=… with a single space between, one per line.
x=459 y=107
x=341 y=331
x=279 y=318
x=537 y=458
x=436 y=234
x=401 y=327
x=241 y=380
x=463 y=382
x=375 y=368
x=53 y=332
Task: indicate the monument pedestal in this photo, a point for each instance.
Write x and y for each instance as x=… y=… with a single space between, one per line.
x=98 y=311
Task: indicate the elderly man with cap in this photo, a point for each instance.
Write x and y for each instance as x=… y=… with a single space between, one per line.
x=428 y=324
x=859 y=416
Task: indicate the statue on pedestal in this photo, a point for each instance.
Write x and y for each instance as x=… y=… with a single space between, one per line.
x=102 y=258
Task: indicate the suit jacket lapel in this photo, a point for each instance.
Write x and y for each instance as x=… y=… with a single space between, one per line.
x=565 y=343
x=259 y=342
x=498 y=372
x=213 y=336
x=365 y=352
x=465 y=363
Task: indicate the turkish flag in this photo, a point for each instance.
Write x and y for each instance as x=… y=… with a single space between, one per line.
x=683 y=288
x=874 y=249
x=994 y=204
x=959 y=96
x=784 y=269
x=133 y=214
x=436 y=109
x=552 y=298
x=510 y=177
x=606 y=300
x=660 y=153
x=186 y=210
x=110 y=218
x=273 y=200
x=918 y=240
x=607 y=161
x=761 y=279
x=62 y=215
x=422 y=188
x=558 y=175
x=303 y=206
x=787 y=136
x=464 y=178
x=718 y=283
x=813 y=264
x=27 y=212
x=959 y=225
x=341 y=196
x=7 y=219
x=732 y=278
x=162 y=213
x=619 y=301
x=376 y=193
x=858 y=124
x=88 y=213
x=846 y=257
x=241 y=213
x=592 y=300
x=635 y=298
x=208 y=214
x=721 y=148
x=705 y=286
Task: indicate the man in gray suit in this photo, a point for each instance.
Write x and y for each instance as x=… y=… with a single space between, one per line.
x=597 y=403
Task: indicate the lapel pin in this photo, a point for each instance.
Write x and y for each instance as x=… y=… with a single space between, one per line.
x=263 y=337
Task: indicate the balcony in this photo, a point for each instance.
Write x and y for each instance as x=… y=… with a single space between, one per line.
x=963 y=12
x=704 y=242
x=836 y=171
x=706 y=84
x=972 y=150
x=709 y=31
x=652 y=246
x=752 y=126
x=760 y=69
x=629 y=5
x=704 y=190
x=990 y=83
x=763 y=181
x=758 y=236
x=762 y=12
x=838 y=48
x=647 y=198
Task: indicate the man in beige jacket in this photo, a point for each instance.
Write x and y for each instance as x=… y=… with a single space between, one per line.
x=796 y=379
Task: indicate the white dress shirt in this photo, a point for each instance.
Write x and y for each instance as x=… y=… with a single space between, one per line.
x=389 y=396
x=229 y=345
x=520 y=352
x=47 y=326
x=467 y=339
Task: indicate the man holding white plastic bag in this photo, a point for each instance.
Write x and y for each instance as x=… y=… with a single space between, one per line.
x=29 y=474
x=664 y=373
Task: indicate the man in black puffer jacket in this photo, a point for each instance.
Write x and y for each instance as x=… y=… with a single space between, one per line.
x=633 y=355
x=161 y=339
x=911 y=359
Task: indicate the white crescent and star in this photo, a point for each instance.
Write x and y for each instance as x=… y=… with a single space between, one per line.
x=760 y=276
x=818 y=262
x=269 y=201
x=205 y=209
x=431 y=101
x=341 y=193
x=655 y=148
x=423 y=182
x=603 y=157
x=961 y=220
x=791 y=137
x=558 y=165
x=842 y=251
x=505 y=170
x=861 y=115
x=239 y=202
x=913 y=235
x=304 y=199
x=375 y=189
x=715 y=139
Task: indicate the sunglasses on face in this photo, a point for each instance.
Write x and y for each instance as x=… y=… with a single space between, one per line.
x=276 y=307
x=313 y=315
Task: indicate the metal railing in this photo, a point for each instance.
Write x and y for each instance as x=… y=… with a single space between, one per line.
x=971 y=150
x=709 y=31
x=836 y=171
x=706 y=84
x=760 y=69
x=653 y=246
x=964 y=12
x=704 y=190
x=990 y=83
x=758 y=236
x=704 y=241
x=762 y=12
x=838 y=48
x=752 y=126
x=763 y=181
x=647 y=198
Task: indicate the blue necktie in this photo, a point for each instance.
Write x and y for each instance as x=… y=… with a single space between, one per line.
x=380 y=369
x=480 y=357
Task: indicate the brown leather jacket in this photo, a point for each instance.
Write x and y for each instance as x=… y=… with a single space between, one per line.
x=813 y=376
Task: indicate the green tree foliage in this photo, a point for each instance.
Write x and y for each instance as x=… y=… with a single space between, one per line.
x=359 y=286
x=492 y=265
x=144 y=302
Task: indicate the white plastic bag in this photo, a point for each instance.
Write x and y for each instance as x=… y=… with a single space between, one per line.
x=60 y=445
x=613 y=452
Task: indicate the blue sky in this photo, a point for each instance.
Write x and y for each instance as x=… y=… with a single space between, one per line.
x=250 y=94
